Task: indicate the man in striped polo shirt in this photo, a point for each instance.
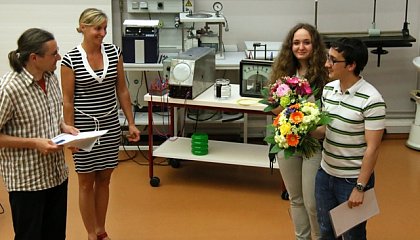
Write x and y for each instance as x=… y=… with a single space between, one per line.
x=352 y=139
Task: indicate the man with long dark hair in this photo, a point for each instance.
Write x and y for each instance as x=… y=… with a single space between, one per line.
x=33 y=166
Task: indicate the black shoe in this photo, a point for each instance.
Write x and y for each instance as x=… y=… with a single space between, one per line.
x=285 y=195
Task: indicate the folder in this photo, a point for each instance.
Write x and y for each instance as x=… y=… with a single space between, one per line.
x=344 y=218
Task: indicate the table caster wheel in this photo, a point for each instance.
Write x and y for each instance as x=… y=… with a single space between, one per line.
x=175 y=163
x=154 y=182
x=285 y=195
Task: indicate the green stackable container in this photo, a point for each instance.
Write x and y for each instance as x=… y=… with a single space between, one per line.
x=200 y=144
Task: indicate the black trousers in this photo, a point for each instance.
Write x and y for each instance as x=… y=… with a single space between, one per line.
x=40 y=215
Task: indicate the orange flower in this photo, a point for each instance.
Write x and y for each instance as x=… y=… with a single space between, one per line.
x=276 y=120
x=292 y=140
x=295 y=106
x=296 y=117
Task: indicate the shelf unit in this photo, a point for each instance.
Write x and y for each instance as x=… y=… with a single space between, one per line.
x=219 y=151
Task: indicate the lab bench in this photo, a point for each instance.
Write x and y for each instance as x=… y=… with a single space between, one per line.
x=229 y=62
x=244 y=154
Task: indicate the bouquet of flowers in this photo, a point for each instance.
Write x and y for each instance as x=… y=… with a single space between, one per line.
x=286 y=91
x=291 y=127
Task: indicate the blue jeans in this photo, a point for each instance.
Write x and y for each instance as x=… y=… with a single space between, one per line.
x=330 y=192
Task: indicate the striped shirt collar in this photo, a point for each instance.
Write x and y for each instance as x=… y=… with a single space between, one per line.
x=352 y=90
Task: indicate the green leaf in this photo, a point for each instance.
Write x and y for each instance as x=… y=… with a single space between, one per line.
x=270 y=139
x=270 y=128
x=265 y=92
x=268 y=108
x=315 y=91
x=324 y=119
x=264 y=101
x=312 y=128
x=318 y=103
x=275 y=149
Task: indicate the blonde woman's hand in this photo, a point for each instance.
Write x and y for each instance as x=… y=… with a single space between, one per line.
x=134 y=133
x=69 y=129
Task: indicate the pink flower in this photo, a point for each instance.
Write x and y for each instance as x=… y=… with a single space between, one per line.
x=282 y=90
x=304 y=88
x=292 y=81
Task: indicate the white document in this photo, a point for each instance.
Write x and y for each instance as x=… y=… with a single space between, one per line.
x=344 y=218
x=83 y=140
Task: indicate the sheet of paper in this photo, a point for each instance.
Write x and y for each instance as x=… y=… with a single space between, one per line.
x=343 y=218
x=83 y=140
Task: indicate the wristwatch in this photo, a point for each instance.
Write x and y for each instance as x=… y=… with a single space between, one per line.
x=360 y=187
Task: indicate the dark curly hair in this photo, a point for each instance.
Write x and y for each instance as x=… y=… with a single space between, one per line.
x=286 y=64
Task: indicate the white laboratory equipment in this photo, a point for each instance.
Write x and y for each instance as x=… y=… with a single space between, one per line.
x=192 y=72
x=414 y=137
x=193 y=35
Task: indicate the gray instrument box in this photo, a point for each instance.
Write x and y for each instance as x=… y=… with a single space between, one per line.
x=192 y=72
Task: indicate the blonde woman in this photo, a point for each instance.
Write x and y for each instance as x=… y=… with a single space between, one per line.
x=92 y=82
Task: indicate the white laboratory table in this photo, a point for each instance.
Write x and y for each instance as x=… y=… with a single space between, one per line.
x=229 y=62
x=219 y=151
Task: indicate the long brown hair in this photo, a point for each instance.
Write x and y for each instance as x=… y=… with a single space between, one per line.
x=286 y=64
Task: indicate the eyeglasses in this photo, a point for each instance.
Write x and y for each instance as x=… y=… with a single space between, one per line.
x=55 y=54
x=332 y=60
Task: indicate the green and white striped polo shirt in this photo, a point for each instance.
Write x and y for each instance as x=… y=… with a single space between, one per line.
x=360 y=107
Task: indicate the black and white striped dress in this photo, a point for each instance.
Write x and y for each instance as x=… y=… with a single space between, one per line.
x=95 y=107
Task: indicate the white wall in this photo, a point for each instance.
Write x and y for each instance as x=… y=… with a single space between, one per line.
x=269 y=20
x=57 y=16
x=262 y=20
